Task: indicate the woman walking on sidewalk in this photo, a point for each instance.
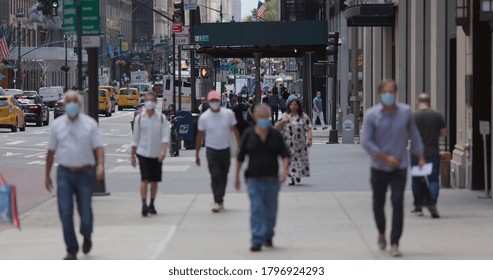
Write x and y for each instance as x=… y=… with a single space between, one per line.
x=296 y=128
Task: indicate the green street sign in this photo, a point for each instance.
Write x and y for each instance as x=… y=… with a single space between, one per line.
x=90 y=17
x=202 y=38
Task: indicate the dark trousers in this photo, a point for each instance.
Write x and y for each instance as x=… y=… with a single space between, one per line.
x=275 y=113
x=219 y=162
x=380 y=180
x=433 y=179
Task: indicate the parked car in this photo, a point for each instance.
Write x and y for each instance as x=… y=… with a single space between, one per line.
x=104 y=99
x=128 y=98
x=51 y=95
x=30 y=93
x=12 y=91
x=35 y=110
x=59 y=108
x=11 y=115
x=158 y=89
x=113 y=96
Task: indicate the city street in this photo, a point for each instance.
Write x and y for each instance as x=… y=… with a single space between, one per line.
x=327 y=216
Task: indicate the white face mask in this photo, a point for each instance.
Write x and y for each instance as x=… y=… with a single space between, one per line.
x=150 y=105
x=214 y=105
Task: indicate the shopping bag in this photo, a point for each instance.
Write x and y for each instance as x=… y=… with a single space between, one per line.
x=8 y=204
x=423 y=195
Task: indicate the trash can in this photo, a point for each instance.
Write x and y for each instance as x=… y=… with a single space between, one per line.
x=185 y=128
x=445 y=159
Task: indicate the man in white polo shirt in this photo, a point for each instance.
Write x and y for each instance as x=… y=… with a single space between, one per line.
x=75 y=138
x=150 y=142
x=217 y=124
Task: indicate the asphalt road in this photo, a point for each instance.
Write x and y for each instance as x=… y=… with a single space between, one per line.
x=22 y=163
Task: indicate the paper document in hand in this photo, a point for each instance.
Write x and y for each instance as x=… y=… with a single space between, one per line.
x=417 y=171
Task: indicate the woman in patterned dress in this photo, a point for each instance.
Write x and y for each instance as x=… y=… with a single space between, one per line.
x=296 y=128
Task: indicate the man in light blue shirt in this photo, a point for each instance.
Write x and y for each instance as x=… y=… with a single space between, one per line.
x=388 y=127
x=318 y=111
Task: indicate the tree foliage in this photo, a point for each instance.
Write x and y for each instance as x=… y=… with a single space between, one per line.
x=269 y=15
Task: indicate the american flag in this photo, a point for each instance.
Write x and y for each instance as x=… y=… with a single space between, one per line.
x=4 y=49
x=261 y=9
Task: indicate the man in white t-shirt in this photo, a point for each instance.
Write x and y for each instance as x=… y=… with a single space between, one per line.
x=217 y=124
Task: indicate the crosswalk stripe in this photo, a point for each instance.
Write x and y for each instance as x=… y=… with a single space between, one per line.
x=16 y=142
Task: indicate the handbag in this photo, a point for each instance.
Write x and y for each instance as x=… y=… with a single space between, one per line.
x=8 y=204
x=423 y=195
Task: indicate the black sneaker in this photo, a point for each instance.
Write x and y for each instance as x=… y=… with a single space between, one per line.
x=325 y=128
x=291 y=182
x=418 y=211
x=298 y=180
x=87 y=245
x=145 y=210
x=269 y=243
x=70 y=257
x=255 y=248
x=314 y=128
x=152 y=210
x=434 y=212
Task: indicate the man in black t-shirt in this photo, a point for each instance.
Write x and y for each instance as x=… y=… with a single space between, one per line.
x=263 y=145
x=431 y=126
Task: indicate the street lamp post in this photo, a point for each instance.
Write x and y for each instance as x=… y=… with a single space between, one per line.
x=66 y=61
x=102 y=36
x=19 y=15
x=120 y=37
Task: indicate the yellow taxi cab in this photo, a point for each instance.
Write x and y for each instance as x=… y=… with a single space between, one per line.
x=128 y=98
x=104 y=102
x=11 y=114
x=113 y=96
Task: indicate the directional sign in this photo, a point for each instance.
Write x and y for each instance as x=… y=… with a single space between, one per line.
x=191 y=47
x=202 y=38
x=90 y=17
x=190 y=5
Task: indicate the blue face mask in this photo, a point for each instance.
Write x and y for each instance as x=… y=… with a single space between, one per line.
x=387 y=98
x=72 y=109
x=264 y=123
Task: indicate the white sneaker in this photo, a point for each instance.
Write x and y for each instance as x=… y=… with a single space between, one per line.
x=217 y=207
x=394 y=251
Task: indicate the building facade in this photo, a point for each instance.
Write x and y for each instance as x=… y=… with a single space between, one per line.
x=236 y=9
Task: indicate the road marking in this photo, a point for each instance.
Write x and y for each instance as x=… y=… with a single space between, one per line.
x=39 y=132
x=124 y=148
x=123 y=114
x=34 y=155
x=119 y=160
x=9 y=154
x=16 y=142
x=180 y=159
x=37 y=162
x=42 y=144
x=22 y=149
x=162 y=245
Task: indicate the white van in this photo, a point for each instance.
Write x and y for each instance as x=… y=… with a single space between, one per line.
x=144 y=88
x=51 y=95
x=186 y=90
x=12 y=91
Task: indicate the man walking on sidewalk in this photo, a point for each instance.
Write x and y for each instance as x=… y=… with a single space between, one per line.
x=431 y=126
x=318 y=111
x=150 y=143
x=217 y=124
x=388 y=126
x=75 y=138
x=263 y=145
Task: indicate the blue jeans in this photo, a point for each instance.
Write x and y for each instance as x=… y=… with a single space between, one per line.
x=79 y=184
x=263 y=208
x=433 y=178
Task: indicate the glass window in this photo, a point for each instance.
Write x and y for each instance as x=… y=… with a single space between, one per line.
x=127 y=92
x=4 y=103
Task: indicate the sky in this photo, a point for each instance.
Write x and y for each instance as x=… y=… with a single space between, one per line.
x=247 y=6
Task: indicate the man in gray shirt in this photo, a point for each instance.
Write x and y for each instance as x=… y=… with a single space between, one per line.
x=431 y=126
x=388 y=127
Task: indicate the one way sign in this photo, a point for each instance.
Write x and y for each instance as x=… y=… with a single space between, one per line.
x=194 y=47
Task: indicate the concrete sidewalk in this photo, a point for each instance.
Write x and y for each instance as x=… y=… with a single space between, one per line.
x=311 y=225
x=328 y=216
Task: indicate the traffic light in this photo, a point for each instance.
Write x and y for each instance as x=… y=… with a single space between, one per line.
x=204 y=72
x=170 y=57
x=76 y=51
x=333 y=44
x=54 y=6
x=197 y=58
x=179 y=12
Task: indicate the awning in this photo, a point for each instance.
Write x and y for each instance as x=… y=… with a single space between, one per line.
x=371 y=15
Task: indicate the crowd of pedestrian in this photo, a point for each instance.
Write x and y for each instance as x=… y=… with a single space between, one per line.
x=227 y=121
